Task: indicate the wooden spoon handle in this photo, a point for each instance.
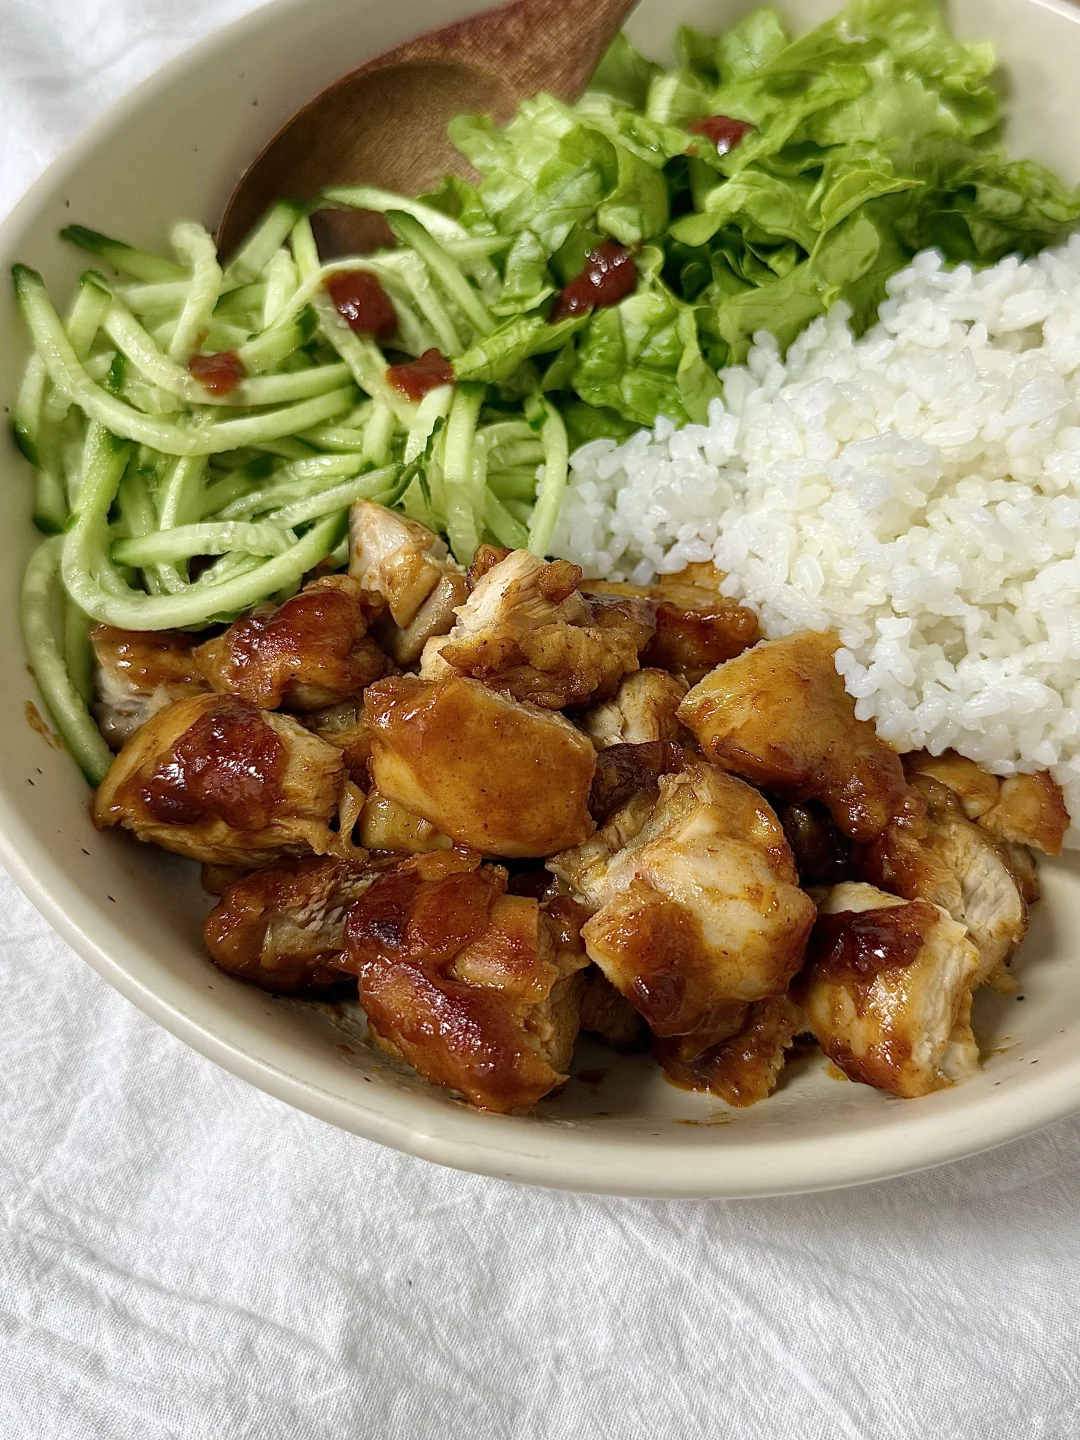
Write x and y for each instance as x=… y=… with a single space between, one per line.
x=530 y=45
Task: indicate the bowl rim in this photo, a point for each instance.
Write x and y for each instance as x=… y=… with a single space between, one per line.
x=555 y=1156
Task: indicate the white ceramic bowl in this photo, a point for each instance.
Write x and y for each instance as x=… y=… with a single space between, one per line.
x=173 y=149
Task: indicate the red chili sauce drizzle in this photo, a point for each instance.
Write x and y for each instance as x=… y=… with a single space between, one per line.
x=228 y=766
x=221 y=373
x=360 y=299
x=724 y=132
x=610 y=275
x=415 y=378
x=859 y=944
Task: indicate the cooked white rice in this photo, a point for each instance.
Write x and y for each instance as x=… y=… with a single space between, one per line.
x=917 y=489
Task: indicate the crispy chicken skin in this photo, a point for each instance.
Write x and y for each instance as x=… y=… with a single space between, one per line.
x=779 y=716
x=308 y=653
x=958 y=866
x=697 y=903
x=412 y=584
x=138 y=673
x=466 y=982
x=283 y=928
x=503 y=778
x=214 y=778
x=887 y=990
x=697 y=628
x=1017 y=809
x=645 y=707
x=745 y=1067
x=527 y=630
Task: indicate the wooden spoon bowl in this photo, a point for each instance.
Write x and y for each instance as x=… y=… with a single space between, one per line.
x=385 y=124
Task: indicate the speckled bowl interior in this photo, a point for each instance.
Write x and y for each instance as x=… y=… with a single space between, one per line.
x=173 y=149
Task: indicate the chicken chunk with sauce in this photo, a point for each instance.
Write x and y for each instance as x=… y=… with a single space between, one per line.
x=745 y=1066
x=1016 y=809
x=215 y=778
x=411 y=582
x=644 y=708
x=283 y=928
x=527 y=630
x=138 y=673
x=697 y=628
x=959 y=867
x=503 y=778
x=697 y=903
x=310 y=652
x=887 y=990
x=465 y=982
x=779 y=716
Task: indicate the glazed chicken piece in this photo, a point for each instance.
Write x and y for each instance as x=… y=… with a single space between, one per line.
x=626 y=773
x=411 y=583
x=822 y=854
x=343 y=726
x=503 y=778
x=697 y=903
x=283 y=928
x=887 y=990
x=466 y=983
x=214 y=778
x=1016 y=809
x=527 y=630
x=386 y=825
x=138 y=673
x=697 y=628
x=644 y=708
x=310 y=652
x=779 y=716
x=745 y=1067
x=962 y=869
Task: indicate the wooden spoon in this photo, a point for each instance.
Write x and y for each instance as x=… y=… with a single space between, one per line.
x=385 y=124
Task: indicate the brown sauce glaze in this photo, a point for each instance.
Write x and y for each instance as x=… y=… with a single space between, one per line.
x=362 y=303
x=610 y=274
x=414 y=378
x=860 y=944
x=229 y=765
x=622 y=771
x=724 y=131
x=220 y=373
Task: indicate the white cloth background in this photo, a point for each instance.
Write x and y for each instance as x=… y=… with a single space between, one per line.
x=181 y=1256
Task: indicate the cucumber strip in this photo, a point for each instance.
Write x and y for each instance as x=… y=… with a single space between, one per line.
x=553 y=482
x=517 y=452
x=379 y=435
x=340 y=439
x=269 y=348
x=246 y=302
x=196 y=246
x=78 y=652
x=140 y=264
x=414 y=276
x=411 y=232
x=513 y=484
x=129 y=336
x=256 y=252
x=50 y=500
x=305 y=251
x=520 y=509
x=26 y=416
x=385 y=485
x=506 y=432
x=143 y=299
x=371 y=197
x=185 y=541
x=289 y=447
x=137 y=517
x=200 y=603
x=67 y=374
x=281 y=285
x=63 y=700
x=433 y=407
x=226 y=567
x=460 y=500
x=292 y=482
x=363 y=357
x=506 y=529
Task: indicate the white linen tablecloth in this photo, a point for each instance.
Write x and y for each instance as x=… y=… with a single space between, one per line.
x=183 y=1257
